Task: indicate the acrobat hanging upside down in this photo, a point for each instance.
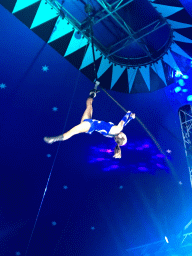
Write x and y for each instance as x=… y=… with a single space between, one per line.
x=89 y=125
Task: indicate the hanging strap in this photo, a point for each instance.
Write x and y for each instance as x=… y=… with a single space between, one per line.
x=92 y=45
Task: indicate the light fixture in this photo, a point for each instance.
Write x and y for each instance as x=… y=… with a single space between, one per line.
x=185 y=77
x=166 y=239
x=181 y=82
x=178 y=73
x=177 y=89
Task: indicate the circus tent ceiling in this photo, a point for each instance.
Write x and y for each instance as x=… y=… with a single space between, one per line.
x=138 y=44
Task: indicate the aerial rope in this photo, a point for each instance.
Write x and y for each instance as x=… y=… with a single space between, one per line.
x=92 y=45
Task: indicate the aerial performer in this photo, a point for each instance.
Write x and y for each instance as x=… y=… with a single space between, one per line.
x=89 y=125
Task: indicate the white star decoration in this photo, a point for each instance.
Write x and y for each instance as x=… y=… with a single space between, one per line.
x=55 y=109
x=169 y=151
x=65 y=187
x=2 y=86
x=45 y=68
x=54 y=223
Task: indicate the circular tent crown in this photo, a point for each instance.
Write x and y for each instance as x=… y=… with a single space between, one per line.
x=138 y=44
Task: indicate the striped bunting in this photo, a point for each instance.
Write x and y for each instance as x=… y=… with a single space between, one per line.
x=178 y=50
x=23 y=4
x=180 y=38
x=146 y=75
x=104 y=65
x=117 y=72
x=61 y=29
x=178 y=25
x=44 y=14
x=131 y=77
x=167 y=10
x=168 y=58
x=88 y=59
x=75 y=44
x=158 y=68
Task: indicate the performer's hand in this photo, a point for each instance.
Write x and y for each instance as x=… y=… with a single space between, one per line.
x=117 y=155
x=97 y=83
x=133 y=115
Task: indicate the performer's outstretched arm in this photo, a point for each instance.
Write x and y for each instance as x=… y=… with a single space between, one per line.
x=126 y=119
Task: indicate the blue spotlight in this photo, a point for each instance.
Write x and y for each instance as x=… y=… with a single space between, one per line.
x=177 y=89
x=189 y=98
x=178 y=73
x=181 y=82
x=185 y=77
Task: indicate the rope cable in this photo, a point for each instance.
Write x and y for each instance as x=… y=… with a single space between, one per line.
x=92 y=45
x=55 y=157
x=132 y=78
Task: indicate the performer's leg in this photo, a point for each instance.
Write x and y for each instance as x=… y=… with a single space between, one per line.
x=89 y=110
x=83 y=127
x=80 y=128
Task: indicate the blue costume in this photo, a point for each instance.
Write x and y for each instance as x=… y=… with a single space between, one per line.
x=104 y=127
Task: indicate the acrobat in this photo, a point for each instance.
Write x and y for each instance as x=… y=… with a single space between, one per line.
x=89 y=125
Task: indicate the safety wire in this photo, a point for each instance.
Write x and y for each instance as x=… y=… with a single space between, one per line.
x=55 y=155
x=92 y=45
